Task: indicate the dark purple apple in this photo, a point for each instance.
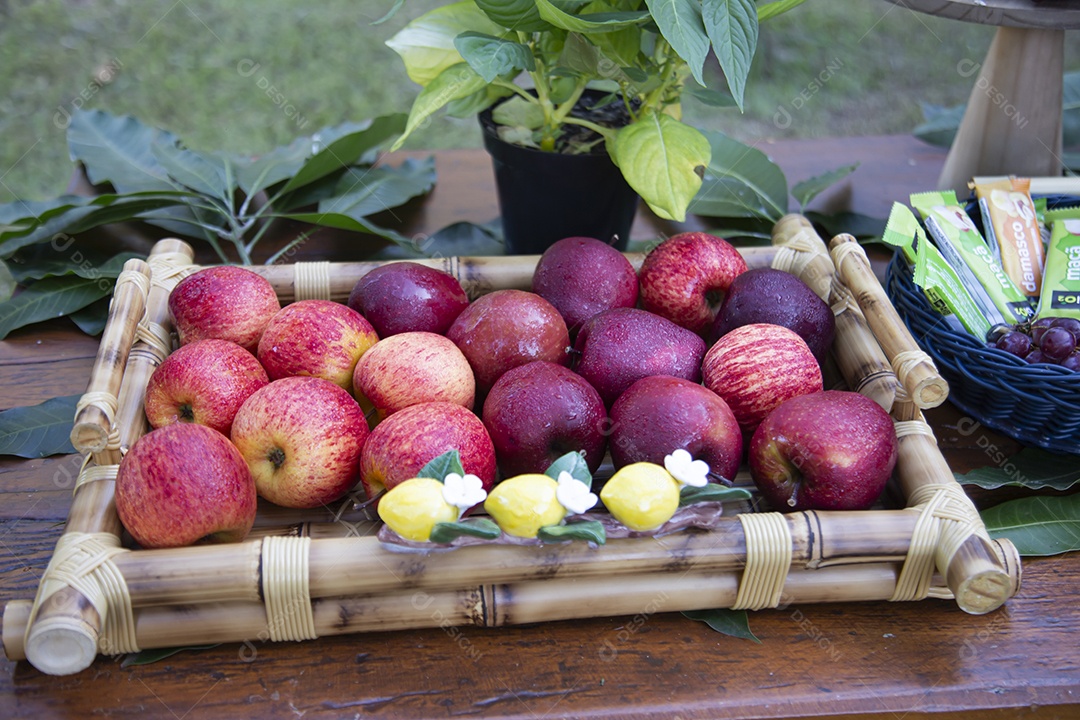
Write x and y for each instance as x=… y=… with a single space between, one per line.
x=538 y=412
x=582 y=276
x=659 y=414
x=619 y=347
x=765 y=295
x=828 y=450
x=407 y=297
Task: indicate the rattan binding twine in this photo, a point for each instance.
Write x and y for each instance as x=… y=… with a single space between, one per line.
x=768 y=560
x=285 y=587
x=311 y=280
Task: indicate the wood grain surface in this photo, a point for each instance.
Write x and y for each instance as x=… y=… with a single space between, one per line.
x=853 y=660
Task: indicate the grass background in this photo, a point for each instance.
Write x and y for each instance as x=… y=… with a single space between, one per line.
x=247 y=76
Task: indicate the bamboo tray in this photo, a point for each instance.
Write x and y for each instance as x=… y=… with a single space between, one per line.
x=300 y=576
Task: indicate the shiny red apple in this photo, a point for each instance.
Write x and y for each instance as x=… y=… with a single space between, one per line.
x=225 y=302
x=411 y=368
x=582 y=276
x=408 y=297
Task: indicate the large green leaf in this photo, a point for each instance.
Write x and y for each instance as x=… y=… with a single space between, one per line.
x=426 y=45
x=200 y=172
x=89 y=264
x=621 y=46
x=663 y=160
x=810 y=188
x=728 y=622
x=740 y=181
x=344 y=145
x=732 y=26
x=515 y=15
x=591 y=23
x=1031 y=468
x=7 y=282
x=456 y=81
x=1038 y=526
x=262 y=171
x=681 y=25
x=22 y=215
x=771 y=10
x=491 y=56
x=49 y=298
x=364 y=192
x=941 y=124
x=92 y=318
x=118 y=150
x=38 y=430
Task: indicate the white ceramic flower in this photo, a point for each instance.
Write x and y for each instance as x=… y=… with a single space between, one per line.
x=574 y=495
x=463 y=492
x=688 y=471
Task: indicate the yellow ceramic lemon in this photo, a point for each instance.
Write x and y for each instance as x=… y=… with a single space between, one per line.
x=523 y=504
x=412 y=508
x=642 y=496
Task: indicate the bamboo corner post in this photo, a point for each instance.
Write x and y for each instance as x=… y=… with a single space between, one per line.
x=863 y=365
x=913 y=367
x=80 y=591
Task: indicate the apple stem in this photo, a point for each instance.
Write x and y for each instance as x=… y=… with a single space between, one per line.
x=793 y=500
x=720 y=479
x=276 y=457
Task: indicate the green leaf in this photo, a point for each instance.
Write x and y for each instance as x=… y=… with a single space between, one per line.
x=711 y=492
x=491 y=57
x=663 y=160
x=732 y=26
x=389 y=13
x=92 y=318
x=519 y=112
x=344 y=145
x=681 y=24
x=447 y=532
x=810 y=188
x=517 y=15
x=7 y=282
x=591 y=23
x=463 y=239
x=587 y=530
x=941 y=124
x=146 y=657
x=426 y=45
x=1031 y=468
x=262 y=171
x=23 y=215
x=712 y=98
x=50 y=298
x=573 y=463
x=39 y=430
x=729 y=622
x=861 y=226
x=118 y=150
x=345 y=222
x=476 y=103
x=83 y=263
x=622 y=46
x=771 y=10
x=740 y=181
x=363 y=192
x=1038 y=526
x=199 y=172
x=441 y=466
x=456 y=82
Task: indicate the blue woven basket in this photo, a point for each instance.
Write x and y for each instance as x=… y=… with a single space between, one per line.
x=1038 y=405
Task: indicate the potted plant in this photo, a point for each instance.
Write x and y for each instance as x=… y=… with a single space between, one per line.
x=565 y=81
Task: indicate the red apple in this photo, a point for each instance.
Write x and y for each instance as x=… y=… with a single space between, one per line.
x=318 y=338
x=538 y=412
x=225 y=302
x=411 y=368
x=204 y=382
x=182 y=484
x=829 y=450
x=402 y=444
x=301 y=437
x=758 y=366
x=685 y=277
x=619 y=347
x=659 y=414
x=765 y=295
x=507 y=328
x=582 y=276
x=407 y=296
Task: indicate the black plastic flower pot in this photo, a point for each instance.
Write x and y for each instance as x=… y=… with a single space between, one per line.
x=547 y=196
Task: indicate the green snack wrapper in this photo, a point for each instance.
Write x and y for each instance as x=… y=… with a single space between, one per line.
x=1040 y=217
x=939 y=282
x=1061 y=276
x=968 y=254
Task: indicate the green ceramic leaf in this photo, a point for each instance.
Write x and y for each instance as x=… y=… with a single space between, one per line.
x=711 y=492
x=453 y=83
x=1038 y=526
x=146 y=657
x=344 y=145
x=118 y=150
x=732 y=26
x=38 y=430
x=771 y=10
x=663 y=160
x=573 y=463
x=447 y=532
x=587 y=530
x=681 y=25
x=729 y=622
x=740 y=181
x=49 y=298
x=1031 y=468
x=491 y=56
x=810 y=188
x=591 y=23
x=441 y=466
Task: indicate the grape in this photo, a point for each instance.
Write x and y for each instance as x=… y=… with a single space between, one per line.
x=996 y=332
x=1035 y=356
x=1057 y=344
x=1072 y=362
x=1070 y=324
x=1039 y=327
x=1015 y=343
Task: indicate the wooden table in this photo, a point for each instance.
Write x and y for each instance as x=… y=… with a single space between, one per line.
x=905 y=660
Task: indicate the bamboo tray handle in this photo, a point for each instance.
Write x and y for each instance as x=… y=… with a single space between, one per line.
x=913 y=367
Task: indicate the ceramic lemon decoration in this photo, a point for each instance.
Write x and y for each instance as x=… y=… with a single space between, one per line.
x=524 y=504
x=413 y=508
x=643 y=496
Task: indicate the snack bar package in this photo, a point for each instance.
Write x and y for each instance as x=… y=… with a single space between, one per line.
x=1061 y=277
x=1011 y=226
